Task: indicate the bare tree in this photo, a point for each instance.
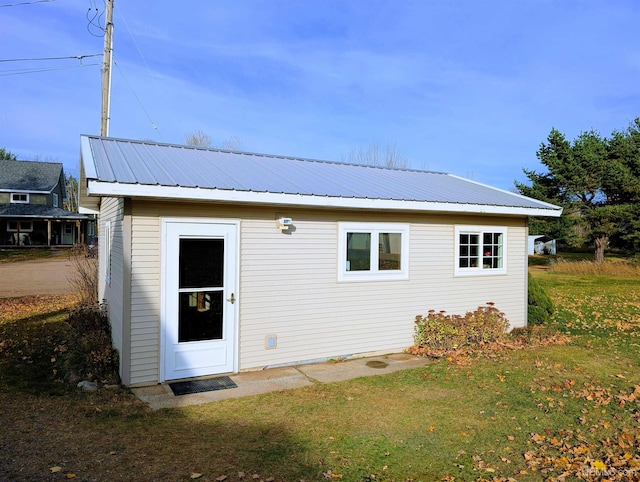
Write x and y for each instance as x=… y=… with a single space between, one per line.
x=197 y=138
x=232 y=144
x=375 y=155
x=71 y=185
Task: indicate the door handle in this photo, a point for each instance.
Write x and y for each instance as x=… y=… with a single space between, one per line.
x=232 y=300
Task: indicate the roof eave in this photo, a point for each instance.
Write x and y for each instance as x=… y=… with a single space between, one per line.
x=26 y=191
x=98 y=188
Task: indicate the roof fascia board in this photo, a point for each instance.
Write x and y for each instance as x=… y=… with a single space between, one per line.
x=86 y=210
x=28 y=191
x=86 y=157
x=551 y=206
x=97 y=188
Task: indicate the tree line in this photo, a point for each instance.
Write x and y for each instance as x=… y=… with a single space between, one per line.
x=596 y=179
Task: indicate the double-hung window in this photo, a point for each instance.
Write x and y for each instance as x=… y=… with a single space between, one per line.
x=373 y=251
x=480 y=250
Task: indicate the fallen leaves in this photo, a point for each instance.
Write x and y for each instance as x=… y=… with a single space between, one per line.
x=57 y=469
x=30 y=306
x=462 y=356
x=568 y=453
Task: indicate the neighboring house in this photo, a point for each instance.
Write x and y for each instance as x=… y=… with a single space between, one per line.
x=32 y=196
x=540 y=244
x=216 y=262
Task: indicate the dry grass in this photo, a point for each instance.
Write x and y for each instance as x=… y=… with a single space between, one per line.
x=619 y=268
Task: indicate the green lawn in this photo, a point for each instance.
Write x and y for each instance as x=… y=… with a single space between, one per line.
x=533 y=414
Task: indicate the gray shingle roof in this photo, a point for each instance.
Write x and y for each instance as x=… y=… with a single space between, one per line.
x=37 y=211
x=129 y=162
x=29 y=175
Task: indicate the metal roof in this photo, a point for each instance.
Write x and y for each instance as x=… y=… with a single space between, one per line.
x=145 y=168
x=29 y=176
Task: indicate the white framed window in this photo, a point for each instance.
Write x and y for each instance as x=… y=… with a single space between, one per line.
x=106 y=252
x=19 y=197
x=480 y=250
x=55 y=200
x=373 y=251
x=25 y=226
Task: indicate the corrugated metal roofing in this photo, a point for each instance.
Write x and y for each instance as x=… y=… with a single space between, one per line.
x=29 y=175
x=142 y=163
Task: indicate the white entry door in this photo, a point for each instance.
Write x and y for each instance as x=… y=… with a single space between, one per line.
x=199 y=307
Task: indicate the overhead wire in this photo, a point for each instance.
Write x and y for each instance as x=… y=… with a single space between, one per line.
x=4 y=73
x=76 y=57
x=153 y=124
x=26 y=3
x=95 y=21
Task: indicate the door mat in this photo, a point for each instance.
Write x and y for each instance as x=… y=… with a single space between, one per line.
x=199 y=386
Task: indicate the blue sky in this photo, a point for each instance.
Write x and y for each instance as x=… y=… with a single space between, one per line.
x=467 y=87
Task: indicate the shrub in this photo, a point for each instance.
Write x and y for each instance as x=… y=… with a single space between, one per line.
x=84 y=277
x=540 y=306
x=91 y=354
x=441 y=331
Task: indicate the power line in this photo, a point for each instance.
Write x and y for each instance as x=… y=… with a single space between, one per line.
x=4 y=73
x=148 y=72
x=96 y=20
x=155 y=127
x=75 y=57
x=26 y=3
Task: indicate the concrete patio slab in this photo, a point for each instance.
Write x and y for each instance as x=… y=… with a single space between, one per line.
x=361 y=367
x=284 y=378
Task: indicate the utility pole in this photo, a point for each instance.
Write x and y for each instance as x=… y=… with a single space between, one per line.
x=106 y=70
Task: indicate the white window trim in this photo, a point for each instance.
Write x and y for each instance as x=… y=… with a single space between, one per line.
x=19 y=201
x=25 y=226
x=105 y=247
x=55 y=200
x=479 y=270
x=374 y=274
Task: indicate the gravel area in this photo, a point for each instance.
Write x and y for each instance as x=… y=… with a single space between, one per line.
x=36 y=277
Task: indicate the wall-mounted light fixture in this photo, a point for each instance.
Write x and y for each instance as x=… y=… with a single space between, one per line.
x=283 y=222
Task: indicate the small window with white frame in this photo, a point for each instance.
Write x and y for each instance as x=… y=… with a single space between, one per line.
x=373 y=251
x=55 y=200
x=22 y=226
x=20 y=198
x=480 y=250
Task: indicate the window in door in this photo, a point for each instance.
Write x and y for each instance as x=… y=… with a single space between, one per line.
x=201 y=289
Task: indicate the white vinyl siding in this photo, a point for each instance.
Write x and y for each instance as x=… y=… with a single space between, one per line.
x=111 y=291
x=289 y=290
x=289 y=285
x=145 y=299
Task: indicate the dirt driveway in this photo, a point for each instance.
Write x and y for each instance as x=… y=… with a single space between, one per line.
x=36 y=277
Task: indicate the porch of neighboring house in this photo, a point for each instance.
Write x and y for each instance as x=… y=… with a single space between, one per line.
x=24 y=233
